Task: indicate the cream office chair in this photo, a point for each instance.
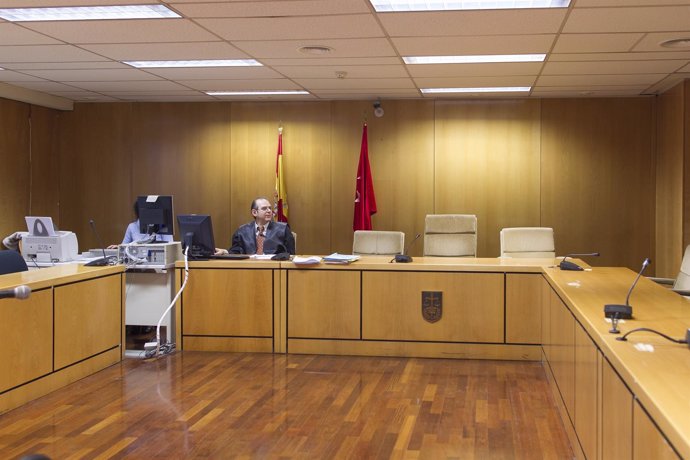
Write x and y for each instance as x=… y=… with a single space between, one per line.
x=681 y=284
x=528 y=242
x=294 y=236
x=378 y=242
x=450 y=235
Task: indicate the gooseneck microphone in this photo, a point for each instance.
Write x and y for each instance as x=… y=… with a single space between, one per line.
x=404 y=258
x=20 y=292
x=104 y=260
x=617 y=311
x=567 y=265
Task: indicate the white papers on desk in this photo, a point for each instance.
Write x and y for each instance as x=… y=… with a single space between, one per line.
x=310 y=260
x=336 y=258
x=261 y=256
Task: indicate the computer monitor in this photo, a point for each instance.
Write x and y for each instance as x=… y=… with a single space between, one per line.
x=155 y=214
x=196 y=231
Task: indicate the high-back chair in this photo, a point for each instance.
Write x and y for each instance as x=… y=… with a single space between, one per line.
x=11 y=262
x=681 y=284
x=450 y=235
x=528 y=242
x=378 y=242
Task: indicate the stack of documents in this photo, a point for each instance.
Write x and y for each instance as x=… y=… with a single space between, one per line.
x=311 y=260
x=336 y=258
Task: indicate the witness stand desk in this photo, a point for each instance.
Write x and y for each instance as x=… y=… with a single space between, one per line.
x=71 y=326
x=618 y=400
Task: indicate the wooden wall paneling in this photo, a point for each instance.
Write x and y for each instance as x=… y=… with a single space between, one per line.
x=96 y=303
x=523 y=308
x=487 y=163
x=306 y=150
x=587 y=394
x=183 y=150
x=598 y=177
x=26 y=339
x=45 y=162
x=14 y=174
x=669 y=182
x=617 y=416
x=648 y=441
x=686 y=163
x=95 y=149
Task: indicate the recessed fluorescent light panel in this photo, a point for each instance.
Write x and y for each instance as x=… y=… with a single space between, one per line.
x=478 y=59
x=256 y=93
x=83 y=13
x=204 y=63
x=496 y=89
x=383 y=6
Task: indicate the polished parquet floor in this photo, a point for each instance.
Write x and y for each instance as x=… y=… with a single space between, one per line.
x=227 y=405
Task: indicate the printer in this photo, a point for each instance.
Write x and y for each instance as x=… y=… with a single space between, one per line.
x=44 y=244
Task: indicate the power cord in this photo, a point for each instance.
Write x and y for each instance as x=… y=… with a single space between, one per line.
x=686 y=340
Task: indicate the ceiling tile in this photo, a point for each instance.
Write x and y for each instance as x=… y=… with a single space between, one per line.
x=473 y=82
x=306 y=27
x=596 y=43
x=100 y=86
x=484 y=22
x=599 y=80
x=218 y=73
x=354 y=83
x=10 y=76
x=334 y=61
x=618 y=56
x=64 y=65
x=354 y=47
x=639 y=19
x=167 y=51
x=45 y=53
x=599 y=3
x=13 y=34
x=92 y=75
x=270 y=9
x=611 y=68
x=240 y=85
x=474 y=70
x=362 y=71
x=493 y=44
x=129 y=31
x=652 y=42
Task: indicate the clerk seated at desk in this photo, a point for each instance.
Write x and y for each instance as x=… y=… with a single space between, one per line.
x=133 y=234
x=262 y=236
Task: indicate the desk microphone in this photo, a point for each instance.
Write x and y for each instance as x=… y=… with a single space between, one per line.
x=404 y=258
x=617 y=311
x=104 y=260
x=20 y=292
x=567 y=265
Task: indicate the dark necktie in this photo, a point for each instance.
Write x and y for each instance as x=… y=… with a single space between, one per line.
x=260 y=241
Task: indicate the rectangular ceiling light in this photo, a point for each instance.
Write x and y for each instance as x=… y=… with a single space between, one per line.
x=477 y=59
x=84 y=13
x=383 y=6
x=496 y=89
x=201 y=63
x=257 y=93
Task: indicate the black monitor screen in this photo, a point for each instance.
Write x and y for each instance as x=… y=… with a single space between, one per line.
x=196 y=231
x=155 y=214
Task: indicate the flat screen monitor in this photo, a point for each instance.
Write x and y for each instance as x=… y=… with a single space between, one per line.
x=196 y=231
x=155 y=214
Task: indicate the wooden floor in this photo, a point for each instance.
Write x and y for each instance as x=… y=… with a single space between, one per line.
x=223 y=405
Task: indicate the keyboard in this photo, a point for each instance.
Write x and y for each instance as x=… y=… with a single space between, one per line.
x=229 y=256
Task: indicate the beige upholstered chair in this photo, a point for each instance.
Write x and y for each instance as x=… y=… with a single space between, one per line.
x=378 y=242
x=534 y=242
x=450 y=235
x=681 y=284
x=294 y=236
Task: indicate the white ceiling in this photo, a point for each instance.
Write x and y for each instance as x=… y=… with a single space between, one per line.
x=594 y=48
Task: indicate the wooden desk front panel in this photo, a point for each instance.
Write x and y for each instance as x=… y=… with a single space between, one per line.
x=562 y=350
x=523 y=307
x=648 y=442
x=472 y=306
x=88 y=319
x=617 y=416
x=324 y=304
x=228 y=303
x=26 y=338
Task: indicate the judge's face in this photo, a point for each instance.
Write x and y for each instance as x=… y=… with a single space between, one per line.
x=263 y=213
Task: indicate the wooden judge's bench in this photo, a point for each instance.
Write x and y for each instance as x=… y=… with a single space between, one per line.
x=617 y=399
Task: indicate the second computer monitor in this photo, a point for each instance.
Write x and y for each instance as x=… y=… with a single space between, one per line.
x=196 y=233
x=155 y=214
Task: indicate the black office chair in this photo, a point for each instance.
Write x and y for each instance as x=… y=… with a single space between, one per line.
x=11 y=262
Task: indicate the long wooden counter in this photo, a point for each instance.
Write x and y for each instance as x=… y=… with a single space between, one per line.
x=618 y=397
x=71 y=326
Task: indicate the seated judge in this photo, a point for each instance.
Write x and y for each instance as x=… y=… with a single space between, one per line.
x=262 y=236
x=133 y=234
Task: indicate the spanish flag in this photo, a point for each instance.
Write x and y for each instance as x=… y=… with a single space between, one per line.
x=280 y=205
x=365 y=201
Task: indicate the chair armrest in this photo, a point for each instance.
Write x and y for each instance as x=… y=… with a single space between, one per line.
x=683 y=292
x=667 y=281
